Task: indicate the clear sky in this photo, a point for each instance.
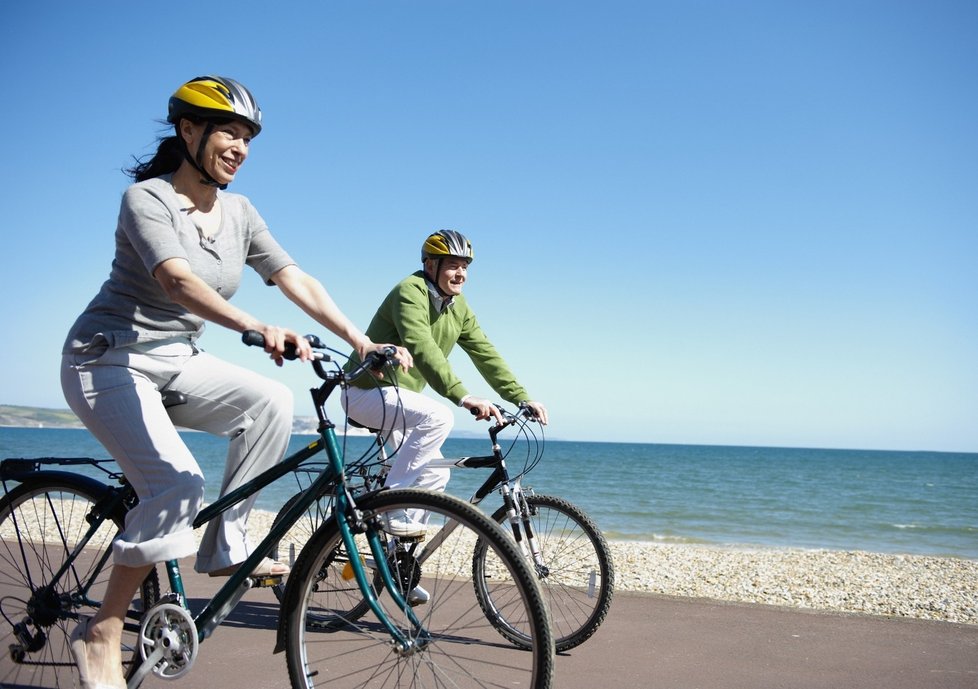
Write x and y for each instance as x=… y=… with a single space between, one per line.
x=695 y=221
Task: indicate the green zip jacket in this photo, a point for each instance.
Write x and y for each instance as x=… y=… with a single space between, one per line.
x=408 y=317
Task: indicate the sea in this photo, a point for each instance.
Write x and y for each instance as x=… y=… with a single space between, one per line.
x=923 y=503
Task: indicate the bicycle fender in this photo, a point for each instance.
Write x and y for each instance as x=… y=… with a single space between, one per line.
x=30 y=478
x=33 y=477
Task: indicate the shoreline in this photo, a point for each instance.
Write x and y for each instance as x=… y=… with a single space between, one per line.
x=850 y=581
x=922 y=587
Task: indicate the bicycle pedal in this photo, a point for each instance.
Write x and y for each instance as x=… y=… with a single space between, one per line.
x=411 y=539
x=266 y=581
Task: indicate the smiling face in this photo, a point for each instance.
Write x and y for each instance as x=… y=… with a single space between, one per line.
x=225 y=149
x=451 y=274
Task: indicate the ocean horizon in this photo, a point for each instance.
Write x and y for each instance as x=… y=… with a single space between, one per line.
x=909 y=502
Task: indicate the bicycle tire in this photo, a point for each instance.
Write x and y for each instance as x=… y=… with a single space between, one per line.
x=579 y=581
x=347 y=602
x=464 y=648
x=40 y=521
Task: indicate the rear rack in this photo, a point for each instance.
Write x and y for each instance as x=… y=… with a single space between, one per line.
x=11 y=467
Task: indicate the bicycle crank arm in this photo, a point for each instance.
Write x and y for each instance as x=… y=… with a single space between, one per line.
x=145 y=668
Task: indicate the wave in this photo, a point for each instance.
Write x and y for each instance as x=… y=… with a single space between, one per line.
x=612 y=535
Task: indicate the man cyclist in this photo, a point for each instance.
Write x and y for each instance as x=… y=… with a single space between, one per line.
x=427 y=314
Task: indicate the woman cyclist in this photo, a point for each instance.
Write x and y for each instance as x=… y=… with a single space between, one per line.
x=181 y=245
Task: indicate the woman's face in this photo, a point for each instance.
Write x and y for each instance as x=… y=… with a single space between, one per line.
x=225 y=149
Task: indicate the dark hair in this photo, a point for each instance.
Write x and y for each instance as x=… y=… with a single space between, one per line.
x=170 y=152
x=168 y=156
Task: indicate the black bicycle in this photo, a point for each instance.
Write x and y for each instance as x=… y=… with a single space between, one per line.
x=564 y=546
x=57 y=526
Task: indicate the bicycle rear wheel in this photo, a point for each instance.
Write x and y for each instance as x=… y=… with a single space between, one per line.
x=464 y=649
x=577 y=575
x=41 y=522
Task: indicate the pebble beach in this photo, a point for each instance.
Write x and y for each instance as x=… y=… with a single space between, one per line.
x=912 y=586
x=908 y=586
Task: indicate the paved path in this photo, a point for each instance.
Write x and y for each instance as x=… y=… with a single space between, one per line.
x=652 y=642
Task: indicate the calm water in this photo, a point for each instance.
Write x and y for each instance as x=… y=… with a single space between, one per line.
x=899 y=502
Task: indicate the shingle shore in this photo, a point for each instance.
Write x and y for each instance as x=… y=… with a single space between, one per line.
x=914 y=586
x=934 y=588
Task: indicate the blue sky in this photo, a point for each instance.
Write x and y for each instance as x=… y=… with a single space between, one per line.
x=747 y=223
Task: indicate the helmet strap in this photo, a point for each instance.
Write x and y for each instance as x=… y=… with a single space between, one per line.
x=434 y=279
x=198 y=161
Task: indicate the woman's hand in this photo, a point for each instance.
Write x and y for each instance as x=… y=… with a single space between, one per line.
x=276 y=339
x=310 y=295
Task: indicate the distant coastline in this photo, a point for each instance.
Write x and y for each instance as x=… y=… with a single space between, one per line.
x=13 y=416
x=37 y=417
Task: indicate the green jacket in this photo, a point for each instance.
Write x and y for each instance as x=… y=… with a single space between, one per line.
x=408 y=317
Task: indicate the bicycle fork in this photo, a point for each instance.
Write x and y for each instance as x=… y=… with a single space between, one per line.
x=402 y=644
x=518 y=515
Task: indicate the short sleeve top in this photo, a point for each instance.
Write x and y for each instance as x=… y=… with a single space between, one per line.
x=131 y=307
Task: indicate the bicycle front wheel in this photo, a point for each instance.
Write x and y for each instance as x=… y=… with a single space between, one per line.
x=41 y=523
x=457 y=645
x=340 y=596
x=576 y=572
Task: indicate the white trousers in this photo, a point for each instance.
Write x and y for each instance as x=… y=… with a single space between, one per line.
x=116 y=394
x=418 y=425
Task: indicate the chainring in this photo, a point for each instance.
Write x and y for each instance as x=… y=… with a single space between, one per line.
x=169 y=634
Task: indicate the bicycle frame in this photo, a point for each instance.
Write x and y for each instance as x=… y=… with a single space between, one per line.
x=512 y=495
x=349 y=519
x=344 y=512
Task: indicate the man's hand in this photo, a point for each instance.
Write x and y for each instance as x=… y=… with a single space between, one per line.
x=538 y=411
x=483 y=409
x=403 y=356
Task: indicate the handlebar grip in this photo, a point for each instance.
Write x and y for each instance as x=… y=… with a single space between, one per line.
x=377 y=360
x=475 y=412
x=253 y=338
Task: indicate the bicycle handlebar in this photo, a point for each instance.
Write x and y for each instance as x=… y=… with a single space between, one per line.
x=253 y=338
x=374 y=361
x=523 y=407
x=377 y=360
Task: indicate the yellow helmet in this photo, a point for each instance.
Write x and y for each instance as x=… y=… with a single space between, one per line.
x=447 y=243
x=212 y=97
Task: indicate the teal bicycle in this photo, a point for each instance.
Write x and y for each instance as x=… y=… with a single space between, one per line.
x=58 y=517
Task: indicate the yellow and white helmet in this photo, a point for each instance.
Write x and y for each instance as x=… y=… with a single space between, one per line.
x=212 y=97
x=447 y=243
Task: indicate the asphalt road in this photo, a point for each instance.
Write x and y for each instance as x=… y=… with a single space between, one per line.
x=655 y=641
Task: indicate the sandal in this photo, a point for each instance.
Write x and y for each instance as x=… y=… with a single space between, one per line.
x=79 y=651
x=266 y=568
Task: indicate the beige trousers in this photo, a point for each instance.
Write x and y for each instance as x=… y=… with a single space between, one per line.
x=115 y=391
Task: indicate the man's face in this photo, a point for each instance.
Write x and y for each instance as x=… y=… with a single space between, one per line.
x=451 y=275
